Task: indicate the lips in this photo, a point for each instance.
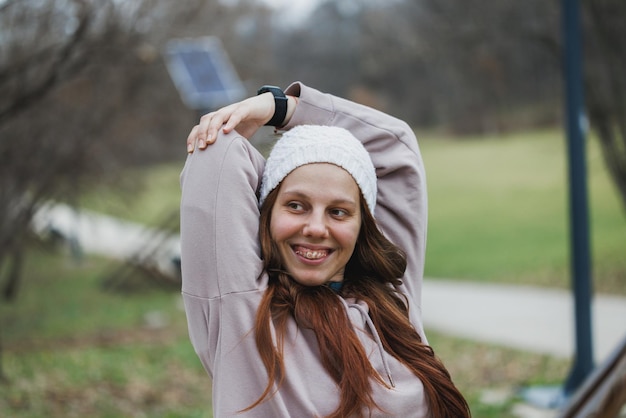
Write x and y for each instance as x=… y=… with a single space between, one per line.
x=311 y=254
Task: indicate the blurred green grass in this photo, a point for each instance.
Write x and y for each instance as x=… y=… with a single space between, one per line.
x=145 y=195
x=499 y=211
x=73 y=349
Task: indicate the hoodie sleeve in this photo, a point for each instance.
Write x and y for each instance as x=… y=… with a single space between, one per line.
x=219 y=220
x=401 y=206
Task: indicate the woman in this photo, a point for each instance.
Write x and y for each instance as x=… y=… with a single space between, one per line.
x=298 y=302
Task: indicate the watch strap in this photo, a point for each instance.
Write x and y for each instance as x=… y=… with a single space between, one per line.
x=280 y=105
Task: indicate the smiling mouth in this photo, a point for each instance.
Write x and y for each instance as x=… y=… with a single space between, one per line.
x=311 y=254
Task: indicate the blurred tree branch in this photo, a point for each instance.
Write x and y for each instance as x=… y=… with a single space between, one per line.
x=81 y=95
x=605 y=85
x=57 y=64
x=84 y=93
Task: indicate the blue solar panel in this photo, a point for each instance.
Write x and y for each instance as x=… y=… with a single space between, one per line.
x=202 y=73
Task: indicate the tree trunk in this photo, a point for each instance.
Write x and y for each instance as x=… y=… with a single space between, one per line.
x=9 y=292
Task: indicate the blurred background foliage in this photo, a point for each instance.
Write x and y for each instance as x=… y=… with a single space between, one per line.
x=87 y=108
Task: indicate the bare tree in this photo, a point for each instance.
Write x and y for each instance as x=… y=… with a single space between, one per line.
x=70 y=73
x=84 y=93
x=466 y=65
x=45 y=143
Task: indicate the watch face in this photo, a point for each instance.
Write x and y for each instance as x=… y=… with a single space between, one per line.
x=276 y=91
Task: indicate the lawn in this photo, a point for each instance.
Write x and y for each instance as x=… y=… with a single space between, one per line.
x=498 y=212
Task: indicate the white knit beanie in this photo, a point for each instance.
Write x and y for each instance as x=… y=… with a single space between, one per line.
x=307 y=144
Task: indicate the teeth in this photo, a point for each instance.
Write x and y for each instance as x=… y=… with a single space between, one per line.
x=311 y=255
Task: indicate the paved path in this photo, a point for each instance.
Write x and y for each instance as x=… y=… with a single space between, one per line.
x=526 y=318
x=118 y=239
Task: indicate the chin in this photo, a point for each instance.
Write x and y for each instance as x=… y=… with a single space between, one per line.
x=309 y=281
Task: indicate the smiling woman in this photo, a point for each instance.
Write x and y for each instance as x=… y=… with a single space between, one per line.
x=315 y=223
x=299 y=302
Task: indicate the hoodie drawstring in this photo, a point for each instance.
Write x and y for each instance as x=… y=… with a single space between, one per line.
x=374 y=332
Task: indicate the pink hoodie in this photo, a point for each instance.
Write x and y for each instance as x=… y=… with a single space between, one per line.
x=222 y=269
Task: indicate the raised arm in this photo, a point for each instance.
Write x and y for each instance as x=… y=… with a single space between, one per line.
x=219 y=221
x=220 y=218
x=401 y=210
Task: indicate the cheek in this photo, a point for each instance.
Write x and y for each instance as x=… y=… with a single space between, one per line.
x=282 y=227
x=349 y=236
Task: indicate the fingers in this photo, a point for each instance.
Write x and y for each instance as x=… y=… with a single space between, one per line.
x=191 y=139
x=206 y=130
x=235 y=118
x=205 y=133
x=247 y=115
x=225 y=118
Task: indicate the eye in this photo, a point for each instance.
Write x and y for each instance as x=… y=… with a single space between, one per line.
x=295 y=206
x=339 y=213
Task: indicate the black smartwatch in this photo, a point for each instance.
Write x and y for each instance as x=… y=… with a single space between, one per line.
x=280 y=105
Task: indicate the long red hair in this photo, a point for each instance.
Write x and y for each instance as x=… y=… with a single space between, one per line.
x=375 y=266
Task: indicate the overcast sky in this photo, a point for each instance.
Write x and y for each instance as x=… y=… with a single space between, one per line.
x=293 y=9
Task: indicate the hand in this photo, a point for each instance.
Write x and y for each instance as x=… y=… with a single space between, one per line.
x=246 y=117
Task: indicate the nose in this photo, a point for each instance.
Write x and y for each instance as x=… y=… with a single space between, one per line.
x=315 y=226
